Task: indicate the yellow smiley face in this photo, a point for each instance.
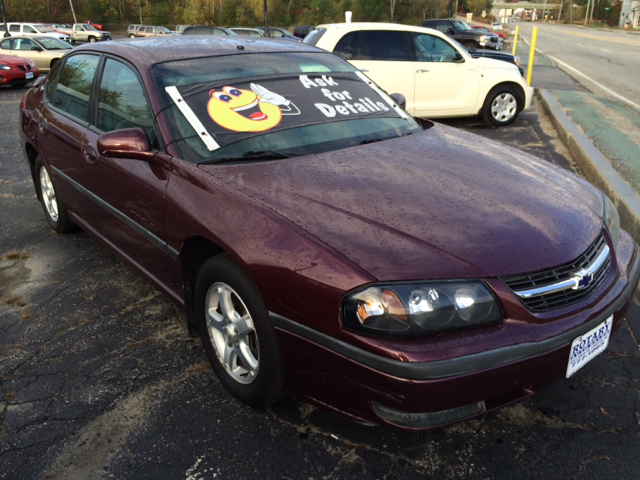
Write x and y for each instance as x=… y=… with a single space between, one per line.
x=242 y=111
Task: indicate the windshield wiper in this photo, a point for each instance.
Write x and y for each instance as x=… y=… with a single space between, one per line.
x=251 y=155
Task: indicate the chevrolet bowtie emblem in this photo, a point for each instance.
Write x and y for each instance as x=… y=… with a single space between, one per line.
x=582 y=279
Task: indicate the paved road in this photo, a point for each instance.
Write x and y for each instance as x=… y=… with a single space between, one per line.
x=610 y=58
x=99 y=379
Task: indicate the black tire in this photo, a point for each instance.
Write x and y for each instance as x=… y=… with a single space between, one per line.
x=58 y=218
x=502 y=106
x=132 y=36
x=92 y=39
x=259 y=389
x=19 y=85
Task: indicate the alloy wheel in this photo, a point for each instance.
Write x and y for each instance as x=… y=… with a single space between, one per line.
x=48 y=194
x=232 y=333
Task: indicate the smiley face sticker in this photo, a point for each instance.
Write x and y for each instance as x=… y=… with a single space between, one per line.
x=255 y=110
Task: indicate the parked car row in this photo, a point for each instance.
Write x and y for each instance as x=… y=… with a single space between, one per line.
x=136 y=31
x=44 y=51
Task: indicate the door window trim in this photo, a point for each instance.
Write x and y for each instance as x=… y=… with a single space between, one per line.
x=60 y=67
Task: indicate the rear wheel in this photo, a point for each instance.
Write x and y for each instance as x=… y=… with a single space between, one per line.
x=237 y=334
x=502 y=106
x=55 y=210
x=132 y=36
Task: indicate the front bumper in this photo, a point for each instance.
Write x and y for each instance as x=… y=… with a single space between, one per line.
x=355 y=382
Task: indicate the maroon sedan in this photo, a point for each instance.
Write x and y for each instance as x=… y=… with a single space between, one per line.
x=322 y=241
x=17 y=71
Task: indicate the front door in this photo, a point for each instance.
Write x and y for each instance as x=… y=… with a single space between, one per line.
x=132 y=191
x=443 y=87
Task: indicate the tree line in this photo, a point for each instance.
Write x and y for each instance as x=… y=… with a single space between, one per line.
x=231 y=12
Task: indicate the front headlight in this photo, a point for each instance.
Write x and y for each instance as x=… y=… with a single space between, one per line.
x=611 y=220
x=483 y=38
x=4 y=67
x=32 y=63
x=420 y=308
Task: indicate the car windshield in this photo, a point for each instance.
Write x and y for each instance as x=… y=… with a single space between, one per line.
x=44 y=29
x=90 y=28
x=274 y=105
x=165 y=30
x=460 y=25
x=54 y=44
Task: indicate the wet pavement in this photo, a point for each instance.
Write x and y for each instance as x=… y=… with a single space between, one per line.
x=100 y=379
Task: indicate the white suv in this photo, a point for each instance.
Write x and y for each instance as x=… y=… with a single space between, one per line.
x=437 y=76
x=31 y=29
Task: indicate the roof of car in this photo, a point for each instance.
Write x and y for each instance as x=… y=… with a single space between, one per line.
x=152 y=50
x=372 y=26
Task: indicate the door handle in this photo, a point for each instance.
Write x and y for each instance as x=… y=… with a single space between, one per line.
x=90 y=154
x=422 y=71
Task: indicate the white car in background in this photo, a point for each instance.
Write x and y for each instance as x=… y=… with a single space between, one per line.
x=32 y=29
x=436 y=75
x=496 y=26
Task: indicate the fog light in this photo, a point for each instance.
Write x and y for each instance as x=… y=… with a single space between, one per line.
x=429 y=419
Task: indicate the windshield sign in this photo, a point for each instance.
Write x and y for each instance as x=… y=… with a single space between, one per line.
x=231 y=111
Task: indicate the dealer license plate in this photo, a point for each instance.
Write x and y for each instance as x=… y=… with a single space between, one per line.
x=28 y=75
x=586 y=347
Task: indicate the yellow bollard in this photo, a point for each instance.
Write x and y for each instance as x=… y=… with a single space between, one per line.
x=534 y=37
x=515 y=39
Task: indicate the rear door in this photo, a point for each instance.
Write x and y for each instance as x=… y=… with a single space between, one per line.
x=62 y=126
x=443 y=87
x=383 y=56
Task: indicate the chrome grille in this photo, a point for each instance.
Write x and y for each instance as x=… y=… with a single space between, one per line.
x=563 y=295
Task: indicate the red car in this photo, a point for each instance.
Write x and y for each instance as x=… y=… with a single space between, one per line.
x=321 y=240
x=97 y=26
x=17 y=71
x=485 y=29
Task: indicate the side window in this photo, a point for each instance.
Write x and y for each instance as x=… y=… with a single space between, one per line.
x=121 y=101
x=14 y=28
x=5 y=44
x=74 y=85
x=23 y=44
x=382 y=45
x=346 y=47
x=28 y=29
x=432 y=49
x=443 y=27
x=218 y=32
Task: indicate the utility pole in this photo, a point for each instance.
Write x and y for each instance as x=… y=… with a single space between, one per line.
x=75 y=20
x=266 y=20
x=4 y=20
x=450 y=8
x=586 y=16
x=560 y=12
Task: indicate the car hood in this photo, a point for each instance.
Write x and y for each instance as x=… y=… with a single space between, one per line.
x=14 y=61
x=439 y=204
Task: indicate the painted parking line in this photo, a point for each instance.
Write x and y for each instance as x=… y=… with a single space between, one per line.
x=598 y=84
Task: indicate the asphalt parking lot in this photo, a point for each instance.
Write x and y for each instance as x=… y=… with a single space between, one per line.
x=100 y=379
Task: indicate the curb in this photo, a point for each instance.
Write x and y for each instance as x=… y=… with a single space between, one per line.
x=595 y=166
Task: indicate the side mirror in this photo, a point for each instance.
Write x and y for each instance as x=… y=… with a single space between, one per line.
x=128 y=143
x=459 y=58
x=400 y=100
x=36 y=49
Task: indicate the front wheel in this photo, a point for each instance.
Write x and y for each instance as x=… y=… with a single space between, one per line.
x=55 y=210
x=132 y=36
x=237 y=334
x=501 y=107
x=92 y=39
